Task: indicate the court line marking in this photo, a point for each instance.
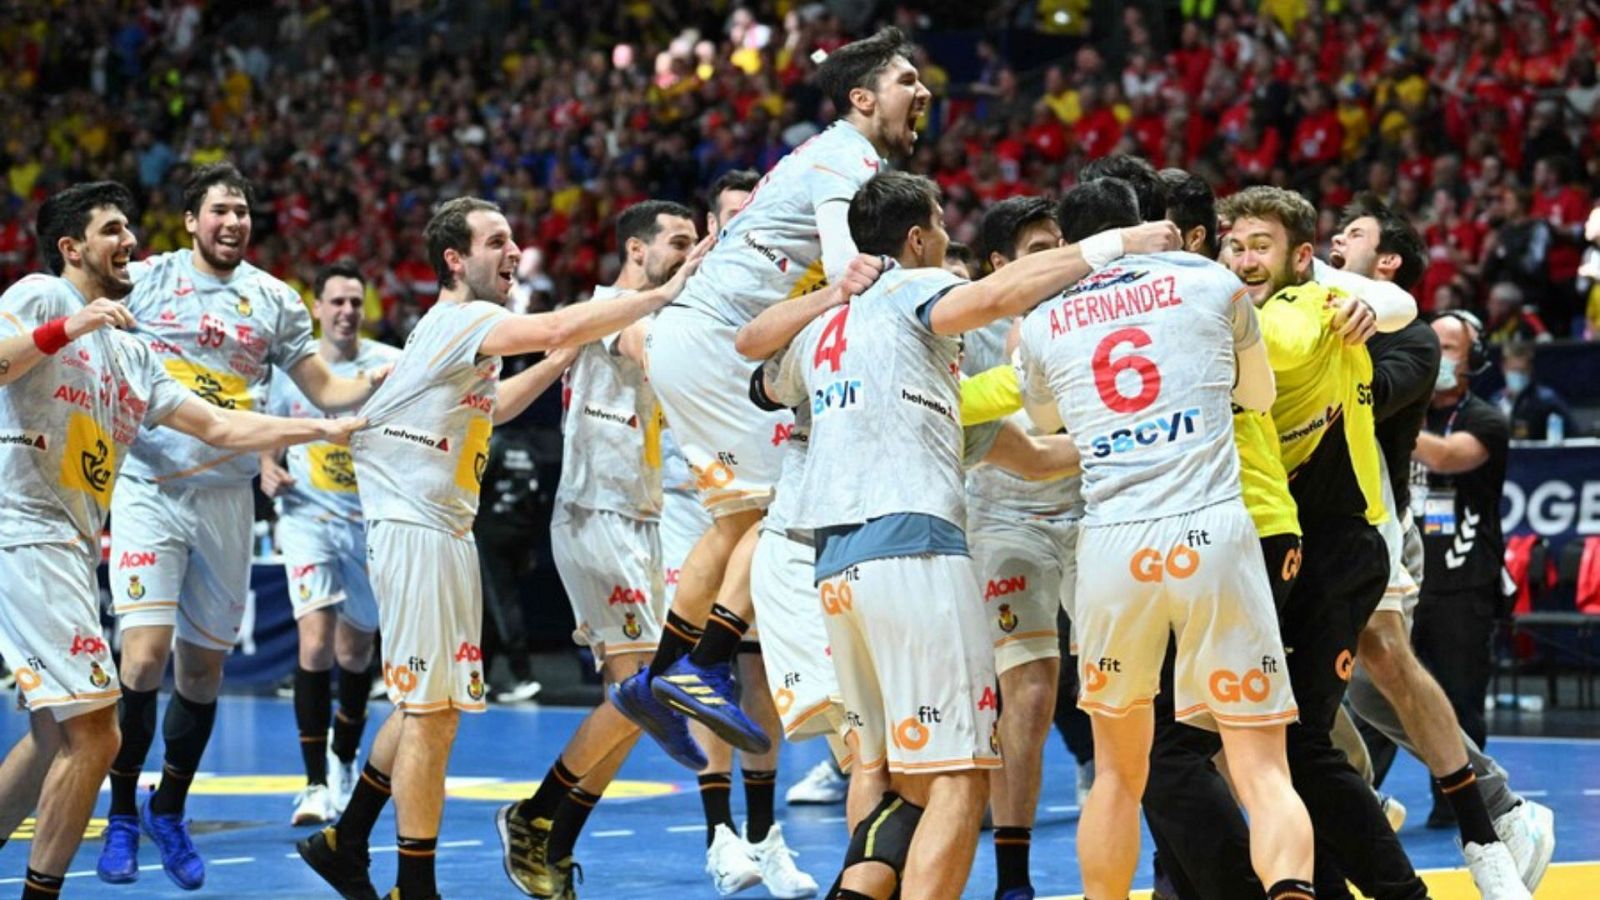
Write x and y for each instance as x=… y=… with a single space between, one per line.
x=615 y=832
x=682 y=829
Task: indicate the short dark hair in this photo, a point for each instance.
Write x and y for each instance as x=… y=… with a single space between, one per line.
x=858 y=65
x=344 y=268
x=1004 y=222
x=68 y=212
x=1518 y=349
x=1139 y=174
x=1095 y=206
x=887 y=207
x=1191 y=203
x=448 y=230
x=963 y=254
x=733 y=180
x=643 y=221
x=206 y=177
x=1289 y=209
x=1395 y=235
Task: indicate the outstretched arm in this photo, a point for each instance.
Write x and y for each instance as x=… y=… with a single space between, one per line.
x=330 y=392
x=518 y=392
x=231 y=429
x=1036 y=458
x=777 y=325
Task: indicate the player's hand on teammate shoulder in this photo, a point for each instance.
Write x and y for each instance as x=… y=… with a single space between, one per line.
x=97 y=315
x=376 y=377
x=862 y=273
x=690 y=264
x=338 y=431
x=1356 y=321
x=1151 y=237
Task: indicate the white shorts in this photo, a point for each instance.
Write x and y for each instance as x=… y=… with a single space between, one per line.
x=326 y=561
x=914 y=663
x=1404 y=588
x=735 y=450
x=1021 y=561
x=610 y=565
x=50 y=631
x=430 y=612
x=181 y=556
x=683 y=522
x=1200 y=576
x=794 y=649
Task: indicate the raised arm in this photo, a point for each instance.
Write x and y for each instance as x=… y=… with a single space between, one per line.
x=230 y=429
x=334 y=393
x=20 y=353
x=777 y=325
x=518 y=392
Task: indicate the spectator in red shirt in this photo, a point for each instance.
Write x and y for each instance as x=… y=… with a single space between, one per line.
x=1318 y=135
x=1098 y=131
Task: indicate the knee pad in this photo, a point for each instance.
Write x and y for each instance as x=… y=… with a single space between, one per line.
x=884 y=836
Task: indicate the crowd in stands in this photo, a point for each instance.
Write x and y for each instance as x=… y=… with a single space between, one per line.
x=1475 y=118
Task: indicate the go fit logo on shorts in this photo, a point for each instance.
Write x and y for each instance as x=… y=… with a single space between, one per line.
x=836 y=598
x=913 y=732
x=1251 y=685
x=1152 y=566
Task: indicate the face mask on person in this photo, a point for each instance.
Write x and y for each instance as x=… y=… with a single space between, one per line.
x=1516 y=382
x=1447 y=376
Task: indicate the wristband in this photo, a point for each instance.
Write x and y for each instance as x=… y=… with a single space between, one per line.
x=51 y=336
x=1100 y=250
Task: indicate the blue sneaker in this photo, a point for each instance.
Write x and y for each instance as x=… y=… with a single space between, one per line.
x=633 y=699
x=707 y=696
x=1018 y=893
x=119 y=857
x=178 y=856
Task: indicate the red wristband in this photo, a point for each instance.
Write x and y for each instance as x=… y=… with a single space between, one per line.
x=51 y=336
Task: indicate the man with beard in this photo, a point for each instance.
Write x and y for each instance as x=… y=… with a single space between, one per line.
x=419 y=468
x=324 y=543
x=180 y=552
x=74 y=394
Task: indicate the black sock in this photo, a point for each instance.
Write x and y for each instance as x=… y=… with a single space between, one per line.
x=570 y=817
x=39 y=886
x=544 y=802
x=1291 y=889
x=186 y=728
x=847 y=894
x=1472 y=817
x=136 y=714
x=759 y=787
x=351 y=718
x=371 y=793
x=313 y=709
x=714 y=790
x=677 y=638
x=414 y=880
x=724 y=630
x=1011 y=846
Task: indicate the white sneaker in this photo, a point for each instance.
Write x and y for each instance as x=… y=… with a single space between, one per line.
x=821 y=785
x=314 y=806
x=1529 y=832
x=730 y=864
x=778 y=871
x=519 y=693
x=342 y=778
x=1494 y=872
x=1085 y=782
x=1393 y=810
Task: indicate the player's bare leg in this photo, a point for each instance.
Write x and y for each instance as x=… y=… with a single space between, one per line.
x=940 y=858
x=86 y=745
x=23 y=772
x=1029 y=692
x=1281 y=842
x=1108 y=827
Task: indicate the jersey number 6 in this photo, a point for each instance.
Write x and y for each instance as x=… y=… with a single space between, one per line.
x=1106 y=371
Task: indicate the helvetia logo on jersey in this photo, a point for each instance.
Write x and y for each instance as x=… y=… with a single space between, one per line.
x=836 y=396
x=772 y=255
x=627 y=420
x=431 y=441
x=630 y=626
x=932 y=404
x=1164 y=428
x=33 y=440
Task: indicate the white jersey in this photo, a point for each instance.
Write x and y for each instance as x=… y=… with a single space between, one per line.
x=221 y=340
x=785 y=506
x=610 y=433
x=991 y=488
x=1139 y=359
x=771 y=250
x=421 y=457
x=324 y=473
x=885 y=405
x=66 y=426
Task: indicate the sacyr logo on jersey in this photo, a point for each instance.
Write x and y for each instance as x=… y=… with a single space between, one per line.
x=90 y=460
x=135 y=588
x=913 y=732
x=243 y=307
x=624 y=595
x=836 y=396
x=1151 y=566
x=1251 y=685
x=136 y=559
x=1000 y=587
x=630 y=626
x=783 y=700
x=474 y=455
x=1007 y=618
x=1096 y=674
x=836 y=597
x=931 y=404
x=93 y=645
x=33 y=440
x=1164 y=428
x=98 y=676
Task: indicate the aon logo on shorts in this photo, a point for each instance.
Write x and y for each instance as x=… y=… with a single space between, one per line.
x=1164 y=428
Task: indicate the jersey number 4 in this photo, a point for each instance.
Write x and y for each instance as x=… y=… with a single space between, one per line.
x=1107 y=371
x=831 y=347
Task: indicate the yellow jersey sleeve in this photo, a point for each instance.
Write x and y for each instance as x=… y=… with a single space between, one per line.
x=1263 y=483
x=991 y=394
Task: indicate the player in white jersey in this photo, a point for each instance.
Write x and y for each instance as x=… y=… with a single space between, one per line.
x=419 y=466
x=883 y=494
x=74 y=395
x=1139 y=363
x=180 y=551
x=789 y=240
x=323 y=539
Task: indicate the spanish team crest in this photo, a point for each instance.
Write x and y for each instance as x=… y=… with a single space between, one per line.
x=305 y=591
x=98 y=676
x=475 y=686
x=994 y=737
x=243 y=307
x=630 y=626
x=1008 y=619
x=135 y=588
